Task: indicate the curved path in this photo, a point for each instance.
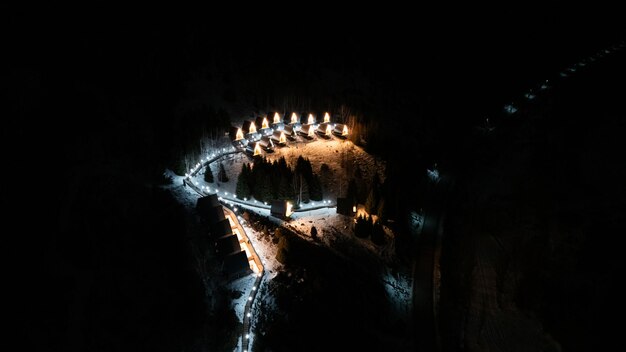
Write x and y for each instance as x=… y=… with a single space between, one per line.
x=247 y=314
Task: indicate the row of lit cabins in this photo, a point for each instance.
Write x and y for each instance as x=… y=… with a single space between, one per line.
x=268 y=136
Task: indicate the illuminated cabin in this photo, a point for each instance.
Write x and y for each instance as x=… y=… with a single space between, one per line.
x=277 y=122
x=230 y=220
x=340 y=130
x=279 y=138
x=205 y=208
x=236 y=265
x=293 y=119
x=220 y=229
x=249 y=127
x=227 y=245
x=244 y=247
x=254 y=148
x=281 y=209
x=294 y=122
x=250 y=131
x=324 y=130
x=254 y=267
x=236 y=136
x=290 y=132
x=239 y=236
x=307 y=131
x=326 y=118
x=267 y=144
x=263 y=126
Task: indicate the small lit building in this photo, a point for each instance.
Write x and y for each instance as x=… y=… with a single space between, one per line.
x=294 y=121
x=210 y=209
x=236 y=265
x=220 y=229
x=214 y=215
x=203 y=204
x=346 y=207
x=310 y=120
x=324 y=130
x=263 y=126
x=250 y=132
x=340 y=130
x=236 y=136
x=290 y=132
x=307 y=131
x=227 y=245
x=279 y=138
x=281 y=209
x=277 y=122
x=267 y=144
x=253 y=148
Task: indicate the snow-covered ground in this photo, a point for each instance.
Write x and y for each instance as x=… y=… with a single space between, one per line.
x=264 y=248
x=341 y=156
x=243 y=285
x=399 y=291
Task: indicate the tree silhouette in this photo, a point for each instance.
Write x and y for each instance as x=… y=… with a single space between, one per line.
x=208 y=175
x=221 y=176
x=243 y=183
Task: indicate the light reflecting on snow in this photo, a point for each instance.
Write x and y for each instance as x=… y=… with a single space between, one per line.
x=510 y=109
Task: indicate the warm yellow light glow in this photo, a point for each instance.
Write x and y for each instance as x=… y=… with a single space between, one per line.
x=328 y=130
x=254 y=267
x=326 y=117
x=276 y=118
x=311 y=119
x=294 y=118
x=345 y=130
x=239 y=134
x=244 y=247
x=252 y=128
x=282 y=138
x=264 y=124
x=354 y=208
x=289 y=211
x=239 y=237
x=311 y=132
x=230 y=221
x=257 y=149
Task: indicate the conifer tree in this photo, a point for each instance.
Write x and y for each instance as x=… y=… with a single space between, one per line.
x=243 y=183
x=208 y=174
x=221 y=176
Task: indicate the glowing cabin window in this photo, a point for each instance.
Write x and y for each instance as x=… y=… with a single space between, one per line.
x=276 y=118
x=326 y=118
x=294 y=118
x=238 y=234
x=345 y=130
x=252 y=128
x=239 y=135
x=328 y=130
x=244 y=247
x=288 y=212
x=230 y=221
x=354 y=208
x=282 y=138
x=311 y=119
x=264 y=124
x=254 y=267
x=257 y=149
